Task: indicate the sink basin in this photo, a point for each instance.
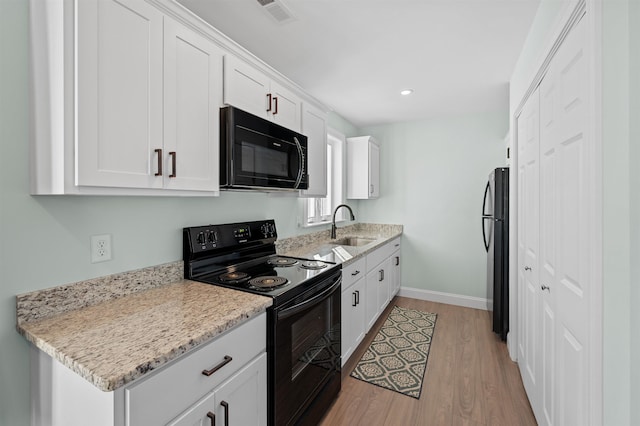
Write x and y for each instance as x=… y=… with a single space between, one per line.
x=352 y=241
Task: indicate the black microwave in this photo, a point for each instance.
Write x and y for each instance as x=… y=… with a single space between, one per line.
x=258 y=154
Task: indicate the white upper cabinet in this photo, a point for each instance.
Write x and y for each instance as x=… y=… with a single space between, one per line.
x=249 y=89
x=126 y=97
x=192 y=96
x=314 y=127
x=140 y=114
x=363 y=168
x=119 y=81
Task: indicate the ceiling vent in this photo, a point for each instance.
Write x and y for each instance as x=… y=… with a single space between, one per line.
x=277 y=10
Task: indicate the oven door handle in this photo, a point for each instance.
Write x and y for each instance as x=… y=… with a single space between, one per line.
x=286 y=313
x=301 y=168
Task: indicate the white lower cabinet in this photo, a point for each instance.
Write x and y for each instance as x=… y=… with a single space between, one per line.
x=225 y=378
x=241 y=400
x=378 y=279
x=396 y=277
x=365 y=297
x=353 y=308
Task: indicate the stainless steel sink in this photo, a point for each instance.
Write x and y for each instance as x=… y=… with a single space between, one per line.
x=352 y=241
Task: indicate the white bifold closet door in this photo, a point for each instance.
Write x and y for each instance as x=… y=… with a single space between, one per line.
x=554 y=283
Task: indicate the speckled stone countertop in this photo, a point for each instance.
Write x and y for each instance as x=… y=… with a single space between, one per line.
x=117 y=341
x=319 y=245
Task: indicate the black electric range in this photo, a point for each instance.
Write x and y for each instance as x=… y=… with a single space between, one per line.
x=303 y=324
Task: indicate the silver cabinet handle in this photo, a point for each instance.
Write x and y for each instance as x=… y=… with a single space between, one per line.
x=527 y=268
x=353 y=274
x=545 y=287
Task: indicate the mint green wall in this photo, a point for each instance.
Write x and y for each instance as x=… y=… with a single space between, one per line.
x=432 y=178
x=44 y=240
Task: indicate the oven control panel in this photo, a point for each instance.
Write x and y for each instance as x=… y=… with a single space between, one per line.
x=211 y=238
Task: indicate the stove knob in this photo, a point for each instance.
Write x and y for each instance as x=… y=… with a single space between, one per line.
x=213 y=237
x=201 y=239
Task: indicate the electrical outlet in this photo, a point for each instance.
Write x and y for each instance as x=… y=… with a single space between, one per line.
x=100 y=248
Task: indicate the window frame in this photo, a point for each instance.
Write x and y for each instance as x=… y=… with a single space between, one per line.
x=335 y=165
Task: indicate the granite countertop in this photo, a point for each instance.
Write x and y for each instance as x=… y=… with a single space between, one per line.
x=112 y=330
x=320 y=246
x=118 y=340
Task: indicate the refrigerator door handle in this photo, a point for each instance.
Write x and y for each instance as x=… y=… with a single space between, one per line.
x=485 y=217
x=484 y=234
x=484 y=200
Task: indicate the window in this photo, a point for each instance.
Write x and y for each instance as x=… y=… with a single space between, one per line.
x=320 y=210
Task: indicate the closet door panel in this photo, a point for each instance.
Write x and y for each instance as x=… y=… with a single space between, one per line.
x=572 y=286
x=548 y=241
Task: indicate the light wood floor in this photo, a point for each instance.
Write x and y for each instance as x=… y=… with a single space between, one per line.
x=470 y=379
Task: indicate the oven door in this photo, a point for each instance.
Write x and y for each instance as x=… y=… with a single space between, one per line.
x=307 y=351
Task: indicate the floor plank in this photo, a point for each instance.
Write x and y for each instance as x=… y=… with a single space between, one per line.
x=470 y=379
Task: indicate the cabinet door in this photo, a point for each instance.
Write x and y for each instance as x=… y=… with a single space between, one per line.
x=119 y=97
x=371 y=298
x=384 y=273
x=374 y=170
x=353 y=318
x=314 y=126
x=348 y=304
x=242 y=400
x=358 y=326
x=286 y=107
x=193 y=94
x=246 y=88
x=201 y=414
x=396 y=276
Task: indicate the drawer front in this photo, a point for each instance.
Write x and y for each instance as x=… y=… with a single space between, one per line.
x=353 y=272
x=169 y=391
x=380 y=254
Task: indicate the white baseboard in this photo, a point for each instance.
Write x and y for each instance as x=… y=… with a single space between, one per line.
x=440 y=297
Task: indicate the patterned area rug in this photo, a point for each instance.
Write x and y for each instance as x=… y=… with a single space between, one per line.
x=397 y=357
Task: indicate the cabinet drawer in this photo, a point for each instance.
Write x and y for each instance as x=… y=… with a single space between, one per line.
x=167 y=392
x=353 y=272
x=376 y=257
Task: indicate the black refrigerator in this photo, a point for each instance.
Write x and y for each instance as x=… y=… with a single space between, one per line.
x=495 y=232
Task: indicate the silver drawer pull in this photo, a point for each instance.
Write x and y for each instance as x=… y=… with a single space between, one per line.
x=227 y=360
x=353 y=274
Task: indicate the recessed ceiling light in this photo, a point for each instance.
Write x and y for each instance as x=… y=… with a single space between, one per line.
x=406 y=92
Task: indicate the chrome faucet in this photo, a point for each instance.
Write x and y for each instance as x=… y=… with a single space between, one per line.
x=333 y=221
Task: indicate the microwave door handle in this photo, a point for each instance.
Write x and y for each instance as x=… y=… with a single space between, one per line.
x=301 y=168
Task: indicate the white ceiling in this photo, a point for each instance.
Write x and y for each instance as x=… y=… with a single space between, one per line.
x=356 y=55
